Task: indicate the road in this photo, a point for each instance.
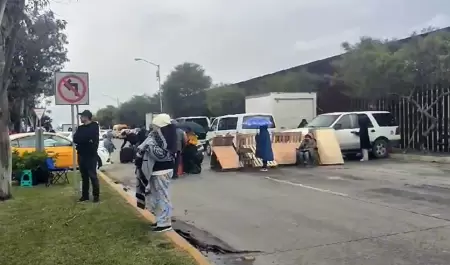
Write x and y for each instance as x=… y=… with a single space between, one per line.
x=379 y=212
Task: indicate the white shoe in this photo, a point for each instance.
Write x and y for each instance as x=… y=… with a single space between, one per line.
x=264 y=170
x=362 y=160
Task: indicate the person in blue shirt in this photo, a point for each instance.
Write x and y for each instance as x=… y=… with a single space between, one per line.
x=264 y=146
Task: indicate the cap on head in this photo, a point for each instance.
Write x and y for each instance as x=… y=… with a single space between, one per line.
x=162 y=120
x=86 y=113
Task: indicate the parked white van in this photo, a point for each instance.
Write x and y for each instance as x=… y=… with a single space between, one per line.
x=200 y=120
x=235 y=123
x=383 y=130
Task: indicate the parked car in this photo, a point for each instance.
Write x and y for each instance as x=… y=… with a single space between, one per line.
x=233 y=124
x=54 y=144
x=384 y=132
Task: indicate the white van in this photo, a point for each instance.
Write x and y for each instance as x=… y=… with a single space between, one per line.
x=383 y=130
x=200 y=120
x=235 y=123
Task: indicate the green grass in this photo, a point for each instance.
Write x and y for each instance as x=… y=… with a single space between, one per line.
x=43 y=226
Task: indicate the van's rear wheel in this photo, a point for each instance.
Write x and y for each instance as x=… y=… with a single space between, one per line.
x=380 y=148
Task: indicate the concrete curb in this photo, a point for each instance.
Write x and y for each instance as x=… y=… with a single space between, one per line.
x=173 y=236
x=422 y=158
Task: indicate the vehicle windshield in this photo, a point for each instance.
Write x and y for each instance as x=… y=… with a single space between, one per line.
x=200 y=121
x=323 y=121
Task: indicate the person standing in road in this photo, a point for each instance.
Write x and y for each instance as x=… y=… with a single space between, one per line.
x=131 y=138
x=264 y=146
x=109 y=145
x=142 y=135
x=154 y=164
x=181 y=142
x=364 y=139
x=86 y=138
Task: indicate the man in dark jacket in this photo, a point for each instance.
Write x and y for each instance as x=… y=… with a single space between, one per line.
x=364 y=138
x=142 y=135
x=86 y=138
x=131 y=138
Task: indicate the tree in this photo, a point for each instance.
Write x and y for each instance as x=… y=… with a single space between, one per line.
x=107 y=116
x=40 y=51
x=373 y=69
x=225 y=99
x=133 y=111
x=11 y=19
x=183 y=90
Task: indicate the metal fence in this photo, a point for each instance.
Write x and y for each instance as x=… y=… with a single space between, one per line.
x=408 y=117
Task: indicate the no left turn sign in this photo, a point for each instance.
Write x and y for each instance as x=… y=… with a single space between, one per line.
x=71 y=88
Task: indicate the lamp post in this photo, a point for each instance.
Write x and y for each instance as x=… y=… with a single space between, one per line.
x=158 y=78
x=113 y=98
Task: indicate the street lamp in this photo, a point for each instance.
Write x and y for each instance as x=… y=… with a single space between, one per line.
x=113 y=98
x=158 y=77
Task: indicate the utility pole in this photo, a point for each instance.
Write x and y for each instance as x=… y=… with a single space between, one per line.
x=158 y=78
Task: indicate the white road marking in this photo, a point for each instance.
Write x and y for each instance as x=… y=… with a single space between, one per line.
x=307 y=187
x=334 y=178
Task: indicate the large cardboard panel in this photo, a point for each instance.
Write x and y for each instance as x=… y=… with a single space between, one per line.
x=227 y=157
x=328 y=147
x=285 y=153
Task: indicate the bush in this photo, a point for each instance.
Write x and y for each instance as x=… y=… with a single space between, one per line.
x=17 y=162
x=28 y=160
x=34 y=160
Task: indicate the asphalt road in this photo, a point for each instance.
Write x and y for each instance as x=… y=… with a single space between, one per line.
x=379 y=212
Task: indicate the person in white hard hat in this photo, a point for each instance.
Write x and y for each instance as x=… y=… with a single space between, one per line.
x=155 y=164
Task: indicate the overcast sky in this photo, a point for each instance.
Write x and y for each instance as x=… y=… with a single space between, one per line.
x=233 y=40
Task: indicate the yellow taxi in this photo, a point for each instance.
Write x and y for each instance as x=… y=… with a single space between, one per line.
x=54 y=144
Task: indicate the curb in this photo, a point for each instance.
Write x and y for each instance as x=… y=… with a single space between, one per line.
x=173 y=236
x=422 y=158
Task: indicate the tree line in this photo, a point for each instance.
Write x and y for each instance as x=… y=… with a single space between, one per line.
x=32 y=48
x=369 y=69
x=40 y=51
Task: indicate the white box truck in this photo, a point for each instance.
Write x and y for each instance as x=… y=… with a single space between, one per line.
x=287 y=109
x=148 y=120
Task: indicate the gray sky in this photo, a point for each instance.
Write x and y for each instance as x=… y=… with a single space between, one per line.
x=233 y=40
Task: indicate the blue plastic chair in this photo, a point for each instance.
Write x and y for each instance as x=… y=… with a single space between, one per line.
x=58 y=175
x=26 y=178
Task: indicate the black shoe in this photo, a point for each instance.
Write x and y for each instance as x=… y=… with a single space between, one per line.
x=83 y=199
x=153 y=226
x=174 y=177
x=160 y=229
x=96 y=199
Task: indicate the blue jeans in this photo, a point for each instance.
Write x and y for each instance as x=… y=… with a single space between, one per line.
x=303 y=156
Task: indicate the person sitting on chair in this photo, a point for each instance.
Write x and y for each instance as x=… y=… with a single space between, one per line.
x=307 y=149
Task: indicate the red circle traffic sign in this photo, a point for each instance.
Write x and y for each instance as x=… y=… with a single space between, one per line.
x=81 y=94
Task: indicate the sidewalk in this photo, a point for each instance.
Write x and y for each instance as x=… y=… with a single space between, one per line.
x=46 y=226
x=417 y=156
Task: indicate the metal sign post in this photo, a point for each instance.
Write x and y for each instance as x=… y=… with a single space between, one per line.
x=74 y=152
x=72 y=88
x=39 y=132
